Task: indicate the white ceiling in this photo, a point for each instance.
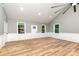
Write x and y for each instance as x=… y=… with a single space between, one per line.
x=32 y=12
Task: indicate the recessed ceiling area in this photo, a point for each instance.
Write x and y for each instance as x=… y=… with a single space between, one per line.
x=32 y=12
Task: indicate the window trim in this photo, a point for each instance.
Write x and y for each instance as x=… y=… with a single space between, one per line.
x=45 y=27
x=54 y=27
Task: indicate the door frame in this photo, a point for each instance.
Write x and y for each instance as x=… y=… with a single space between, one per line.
x=54 y=27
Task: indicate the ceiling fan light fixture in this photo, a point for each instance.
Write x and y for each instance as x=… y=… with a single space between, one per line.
x=39 y=13
x=50 y=16
x=74 y=4
x=21 y=8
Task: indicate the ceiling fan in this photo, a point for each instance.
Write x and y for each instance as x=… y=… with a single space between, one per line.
x=69 y=5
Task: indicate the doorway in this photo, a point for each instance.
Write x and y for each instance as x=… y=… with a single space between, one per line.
x=33 y=28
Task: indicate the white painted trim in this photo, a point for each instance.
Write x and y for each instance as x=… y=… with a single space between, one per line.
x=73 y=37
x=45 y=28
x=54 y=27
x=17 y=37
x=24 y=27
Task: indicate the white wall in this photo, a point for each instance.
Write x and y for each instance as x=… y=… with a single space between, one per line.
x=1 y=20
x=3 y=37
x=69 y=22
x=5 y=27
x=12 y=26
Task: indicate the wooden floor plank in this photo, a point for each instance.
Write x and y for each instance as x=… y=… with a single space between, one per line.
x=40 y=47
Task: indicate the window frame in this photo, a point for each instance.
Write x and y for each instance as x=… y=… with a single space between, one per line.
x=54 y=27
x=45 y=28
x=24 y=27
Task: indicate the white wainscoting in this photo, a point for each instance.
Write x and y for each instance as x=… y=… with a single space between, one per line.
x=16 y=37
x=64 y=36
x=2 y=40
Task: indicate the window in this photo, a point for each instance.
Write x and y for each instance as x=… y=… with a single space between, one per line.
x=21 y=28
x=56 y=28
x=43 y=28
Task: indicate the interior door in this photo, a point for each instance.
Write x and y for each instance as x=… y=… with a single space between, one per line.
x=33 y=28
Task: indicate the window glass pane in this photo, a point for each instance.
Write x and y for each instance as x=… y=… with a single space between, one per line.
x=43 y=29
x=56 y=28
x=21 y=28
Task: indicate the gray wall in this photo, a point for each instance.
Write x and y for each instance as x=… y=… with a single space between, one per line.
x=69 y=22
x=12 y=26
x=2 y=19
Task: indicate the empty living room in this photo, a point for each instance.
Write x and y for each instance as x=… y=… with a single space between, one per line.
x=39 y=29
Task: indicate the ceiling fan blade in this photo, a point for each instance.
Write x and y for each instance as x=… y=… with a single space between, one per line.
x=71 y=3
x=74 y=7
x=67 y=8
x=58 y=10
x=58 y=6
x=78 y=3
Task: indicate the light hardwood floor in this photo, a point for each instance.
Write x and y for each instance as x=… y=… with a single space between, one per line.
x=40 y=47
